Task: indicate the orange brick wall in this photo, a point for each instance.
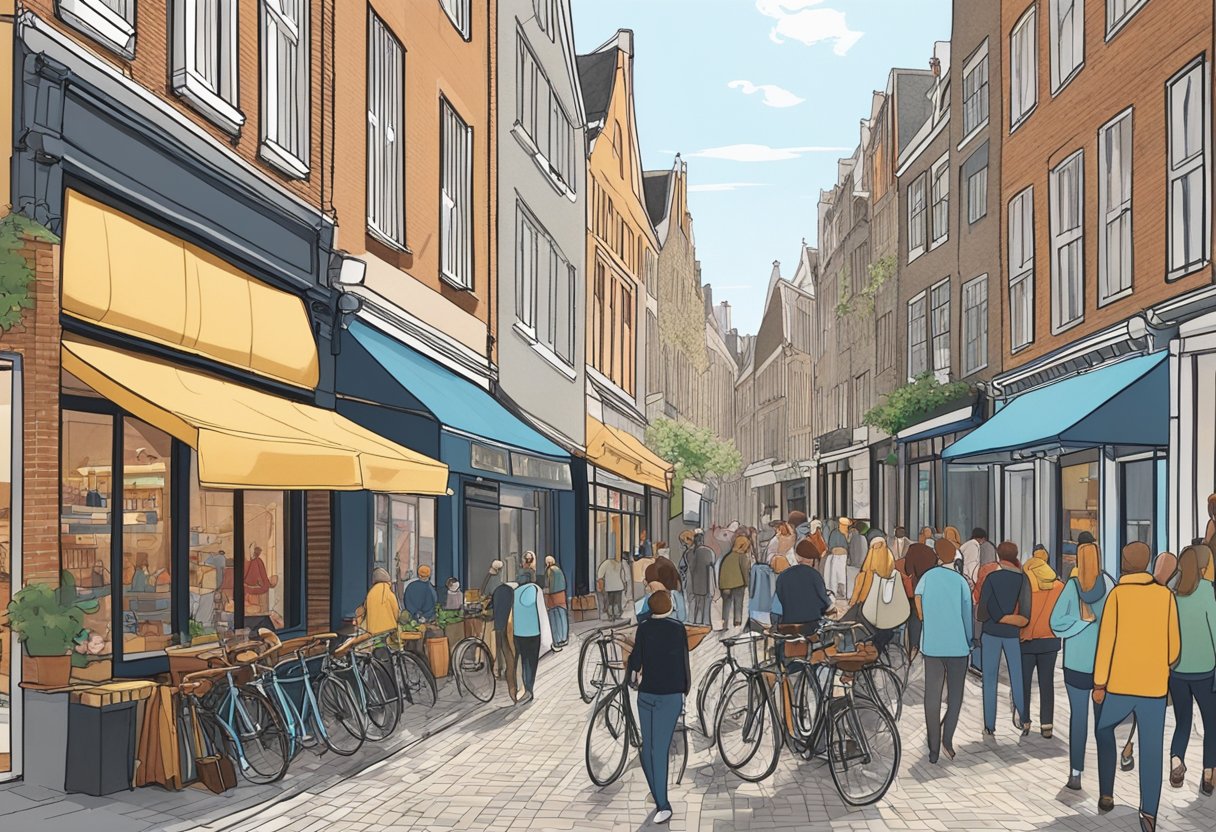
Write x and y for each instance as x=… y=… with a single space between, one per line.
x=1131 y=70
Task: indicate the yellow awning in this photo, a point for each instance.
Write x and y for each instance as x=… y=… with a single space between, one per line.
x=130 y=277
x=624 y=455
x=249 y=439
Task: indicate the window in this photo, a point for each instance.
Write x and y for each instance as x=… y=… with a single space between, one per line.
x=1067 y=254
x=544 y=288
x=385 y=147
x=285 y=85
x=456 y=198
x=940 y=300
x=545 y=17
x=403 y=536
x=977 y=195
x=1188 y=196
x=916 y=216
x=205 y=59
x=1023 y=69
x=540 y=115
x=527 y=267
x=975 y=91
x=886 y=341
x=1067 y=40
x=917 y=332
x=109 y=22
x=1021 y=269
x=1115 y=207
x=460 y=13
x=975 y=325
x=1118 y=12
x=941 y=200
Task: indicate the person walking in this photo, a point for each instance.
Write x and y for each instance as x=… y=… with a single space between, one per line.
x=859 y=549
x=943 y=604
x=800 y=599
x=835 y=562
x=1138 y=641
x=1075 y=620
x=1193 y=679
x=976 y=552
x=611 y=579
x=1004 y=610
x=1040 y=646
x=977 y=589
x=530 y=629
x=880 y=594
x=761 y=582
x=920 y=559
x=555 y=602
x=502 y=603
x=814 y=531
x=664 y=576
x=732 y=580
x=527 y=568
x=660 y=655
x=900 y=543
x=700 y=581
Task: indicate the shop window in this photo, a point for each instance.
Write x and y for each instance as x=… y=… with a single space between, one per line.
x=403 y=536
x=1139 y=497
x=213 y=556
x=1020 y=509
x=1080 y=491
x=487 y=458
x=967 y=498
x=10 y=557
x=920 y=495
x=86 y=500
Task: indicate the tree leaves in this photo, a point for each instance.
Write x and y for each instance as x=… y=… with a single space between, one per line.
x=905 y=405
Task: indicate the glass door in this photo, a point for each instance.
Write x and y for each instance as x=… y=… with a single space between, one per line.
x=1019 y=509
x=1139 y=494
x=10 y=575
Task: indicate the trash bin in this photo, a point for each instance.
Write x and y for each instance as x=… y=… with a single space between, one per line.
x=101 y=748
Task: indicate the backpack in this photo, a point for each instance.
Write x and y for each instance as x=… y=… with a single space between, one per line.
x=886 y=606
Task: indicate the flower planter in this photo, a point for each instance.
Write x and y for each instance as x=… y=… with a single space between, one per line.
x=437 y=648
x=47 y=671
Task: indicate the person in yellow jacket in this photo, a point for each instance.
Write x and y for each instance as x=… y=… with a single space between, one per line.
x=380 y=608
x=1138 y=641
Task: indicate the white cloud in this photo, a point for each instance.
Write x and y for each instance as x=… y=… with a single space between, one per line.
x=761 y=152
x=717 y=187
x=796 y=20
x=774 y=96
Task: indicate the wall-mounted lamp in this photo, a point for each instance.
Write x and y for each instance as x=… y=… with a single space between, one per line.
x=346 y=270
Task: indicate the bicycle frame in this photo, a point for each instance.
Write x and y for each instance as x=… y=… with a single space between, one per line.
x=297 y=719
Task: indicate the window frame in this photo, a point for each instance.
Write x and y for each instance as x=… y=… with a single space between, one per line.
x=939 y=172
x=1059 y=79
x=1115 y=25
x=1064 y=238
x=449 y=117
x=1125 y=213
x=972 y=217
x=1028 y=21
x=394 y=238
x=1025 y=269
x=921 y=299
x=934 y=335
x=1201 y=161
x=460 y=13
x=980 y=323
x=271 y=149
x=222 y=106
x=981 y=94
x=103 y=24
x=918 y=218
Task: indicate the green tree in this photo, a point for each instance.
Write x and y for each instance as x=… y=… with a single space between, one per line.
x=906 y=405
x=694 y=452
x=16 y=274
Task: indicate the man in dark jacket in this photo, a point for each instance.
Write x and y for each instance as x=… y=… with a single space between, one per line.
x=800 y=596
x=502 y=599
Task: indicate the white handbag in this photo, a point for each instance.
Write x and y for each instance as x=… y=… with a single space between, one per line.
x=886 y=606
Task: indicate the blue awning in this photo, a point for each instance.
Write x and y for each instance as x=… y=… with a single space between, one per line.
x=1127 y=403
x=457 y=404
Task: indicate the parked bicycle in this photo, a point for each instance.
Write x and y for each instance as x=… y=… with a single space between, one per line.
x=601 y=659
x=717 y=679
x=372 y=680
x=472 y=666
x=414 y=677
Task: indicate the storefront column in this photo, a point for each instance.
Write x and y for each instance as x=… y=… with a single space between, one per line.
x=1186 y=501
x=352 y=556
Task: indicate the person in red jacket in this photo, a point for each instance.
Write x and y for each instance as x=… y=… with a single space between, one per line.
x=1040 y=647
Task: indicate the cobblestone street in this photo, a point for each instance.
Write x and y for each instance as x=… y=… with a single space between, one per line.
x=506 y=767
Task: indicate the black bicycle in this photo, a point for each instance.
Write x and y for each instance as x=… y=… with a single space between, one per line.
x=611 y=732
x=717 y=679
x=601 y=659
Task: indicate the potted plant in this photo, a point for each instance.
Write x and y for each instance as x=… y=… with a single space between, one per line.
x=50 y=623
x=452 y=624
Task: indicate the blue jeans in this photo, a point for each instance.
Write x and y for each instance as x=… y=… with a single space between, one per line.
x=1150 y=716
x=658 y=714
x=559 y=624
x=991 y=648
x=1186 y=691
x=1080 y=700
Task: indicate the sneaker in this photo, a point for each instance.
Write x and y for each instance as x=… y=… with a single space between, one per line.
x=662 y=816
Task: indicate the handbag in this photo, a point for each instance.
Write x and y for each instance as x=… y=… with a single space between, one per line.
x=884 y=607
x=216 y=772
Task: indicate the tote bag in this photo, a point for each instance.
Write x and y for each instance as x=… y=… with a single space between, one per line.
x=886 y=607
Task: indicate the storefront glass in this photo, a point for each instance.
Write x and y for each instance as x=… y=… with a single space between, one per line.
x=85 y=525
x=1080 y=491
x=837 y=487
x=616 y=518
x=404 y=535
x=920 y=496
x=968 y=499
x=795 y=498
x=1019 y=508
x=502 y=522
x=212 y=558
x=147 y=551
x=1139 y=498
x=8 y=567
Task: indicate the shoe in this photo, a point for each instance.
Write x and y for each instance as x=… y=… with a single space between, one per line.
x=1207 y=785
x=949 y=751
x=1074 y=782
x=1178 y=776
x=662 y=816
x=1148 y=823
x=525 y=699
x=1045 y=730
x=1105 y=804
x=1026 y=730
x=1013 y=715
x=989 y=734
x=933 y=759
x=1127 y=763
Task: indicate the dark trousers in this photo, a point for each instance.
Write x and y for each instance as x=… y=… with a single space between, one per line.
x=529 y=655
x=504 y=661
x=951 y=674
x=1150 y=718
x=1185 y=692
x=1045 y=665
x=914 y=627
x=658 y=715
x=1080 y=688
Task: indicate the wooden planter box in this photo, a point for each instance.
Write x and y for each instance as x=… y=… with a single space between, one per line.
x=437 y=648
x=47 y=671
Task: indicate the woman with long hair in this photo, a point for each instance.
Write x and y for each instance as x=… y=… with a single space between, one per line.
x=1075 y=620
x=1040 y=645
x=878 y=563
x=1193 y=678
x=919 y=560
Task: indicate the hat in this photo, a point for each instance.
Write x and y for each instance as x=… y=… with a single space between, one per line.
x=796 y=518
x=806 y=550
x=380 y=576
x=424 y=571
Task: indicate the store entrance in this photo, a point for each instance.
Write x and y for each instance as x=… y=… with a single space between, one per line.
x=10 y=577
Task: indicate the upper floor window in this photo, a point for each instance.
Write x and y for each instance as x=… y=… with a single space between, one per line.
x=1021 y=269
x=546 y=17
x=205 y=59
x=975 y=91
x=1067 y=194
x=110 y=22
x=285 y=85
x=1118 y=12
x=385 y=136
x=544 y=288
x=940 y=323
x=1115 y=207
x=975 y=325
x=1023 y=68
x=917 y=214
x=455 y=198
x=941 y=200
x=460 y=11
x=918 y=332
x=539 y=113
x=1067 y=40
x=977 y=195
x=886 y=341
x=1189 y=193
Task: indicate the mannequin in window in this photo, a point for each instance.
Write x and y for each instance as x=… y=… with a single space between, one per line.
x=257 y=583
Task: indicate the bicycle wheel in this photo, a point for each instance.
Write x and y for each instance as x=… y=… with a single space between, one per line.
x=863 y=751
x=589 y=669
x=607 y=743
x=415 y=679
x=881 y=686
x=473 y=667
x=257 y=725
x=383 y=697
x=709 y=694
x=344 y=726
x=677 y=754
x=748 y=733
x=806 y=700
x=895 y=656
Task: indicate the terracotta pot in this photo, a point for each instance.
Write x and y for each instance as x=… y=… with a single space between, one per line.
x=437 y=655
x=47 y=671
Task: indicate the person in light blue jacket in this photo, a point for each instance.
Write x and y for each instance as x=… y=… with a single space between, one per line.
x=1075 y=619
x=662 y=575
x=761 y=584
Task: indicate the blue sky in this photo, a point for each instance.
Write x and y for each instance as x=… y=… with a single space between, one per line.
x=791 y=78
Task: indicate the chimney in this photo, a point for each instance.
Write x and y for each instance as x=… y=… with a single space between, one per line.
x=707 y=298
x=722 y=310
x=935 y=64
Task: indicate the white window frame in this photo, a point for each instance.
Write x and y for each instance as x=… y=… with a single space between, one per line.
x=456 y=220
x=1062 y=239
x=113 y=29
x=276 y=28
x=918 y=218
x=939 y=174
x=546 y=133
x=1020 y=110
x=527 y=268
x=1114 y=21
x=546 y=16
x=975 y=324
x=1061 y=75
x=921 y=302
x=1110 y=214
x=1021 y=266
x=221 y=106
x=980 y=95
x=385 y=135
x=1182 y=169
x=460 y=12
x=942 y=372
x=972 y=216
